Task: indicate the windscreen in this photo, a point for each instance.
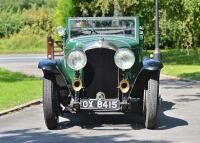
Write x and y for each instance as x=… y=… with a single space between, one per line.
x=101 y=26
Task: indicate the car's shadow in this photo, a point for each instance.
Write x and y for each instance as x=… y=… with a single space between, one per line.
x=122 y=122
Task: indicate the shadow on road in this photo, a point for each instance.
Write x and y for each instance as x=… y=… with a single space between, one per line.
x=117 y=122
x=168 y=122
x=188 y=98
x=35 y=135
x=94 y=122
x=178 y=84
x=91 y=123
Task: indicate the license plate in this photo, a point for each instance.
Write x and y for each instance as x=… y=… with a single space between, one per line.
x=100 y=104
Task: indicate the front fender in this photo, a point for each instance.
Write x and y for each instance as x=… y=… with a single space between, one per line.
x=47 y=64
x=148 y=68
x=152 y=65
x=50 y=69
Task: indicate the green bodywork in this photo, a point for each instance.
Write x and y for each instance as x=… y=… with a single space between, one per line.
x=119 y=41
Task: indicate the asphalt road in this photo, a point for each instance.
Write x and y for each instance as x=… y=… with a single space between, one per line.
x=178 y=121
x=26 y=64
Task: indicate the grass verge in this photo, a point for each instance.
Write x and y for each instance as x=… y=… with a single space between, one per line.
x=183 y=71
x=17 y=88
x=181 y=63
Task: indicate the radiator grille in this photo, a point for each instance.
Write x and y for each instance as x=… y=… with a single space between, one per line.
x=101 y=73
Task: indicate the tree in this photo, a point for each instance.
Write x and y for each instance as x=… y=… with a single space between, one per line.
x=64 y=9
x=179 y=19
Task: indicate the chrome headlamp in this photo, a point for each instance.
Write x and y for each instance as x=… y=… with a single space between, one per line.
x=76 y=59
x=60 y=31
x=124 y=58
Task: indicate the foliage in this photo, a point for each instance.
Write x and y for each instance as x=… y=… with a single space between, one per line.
x=14 y=15
x=65 y=8
x=19 y=5
x=10 y=23
x=181 y=57
x=39 y=19
x=24 y=42
x=24 y=25
x=17 y=89
x=179 y=19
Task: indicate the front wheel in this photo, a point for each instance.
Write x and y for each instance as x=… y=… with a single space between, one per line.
x=150 y=104
x=50 y=104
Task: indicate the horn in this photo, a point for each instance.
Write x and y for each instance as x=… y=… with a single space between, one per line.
x=124 y=86
x=77 y=85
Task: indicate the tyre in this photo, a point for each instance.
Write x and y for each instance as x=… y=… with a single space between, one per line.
x=150 y=102
x=50 y=104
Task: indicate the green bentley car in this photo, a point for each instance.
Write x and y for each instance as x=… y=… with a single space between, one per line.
x=102 y=69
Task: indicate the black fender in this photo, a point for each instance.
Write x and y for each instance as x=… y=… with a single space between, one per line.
x=147 y=69
x=49 y=68
x=47 y=65
x=52 y=72
x=152 y=65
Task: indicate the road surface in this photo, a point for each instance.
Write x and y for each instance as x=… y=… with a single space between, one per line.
x=178 y=121
x=25 y=63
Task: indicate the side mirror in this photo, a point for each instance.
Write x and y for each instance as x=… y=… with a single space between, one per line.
x=60 y=31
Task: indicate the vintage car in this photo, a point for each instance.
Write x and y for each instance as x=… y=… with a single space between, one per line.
x=102 y=69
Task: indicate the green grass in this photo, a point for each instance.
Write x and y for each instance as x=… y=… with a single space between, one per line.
x=183 y=64
x=23 y=44
x=17 y=88
x=183 y=71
